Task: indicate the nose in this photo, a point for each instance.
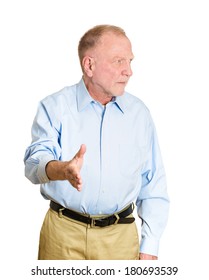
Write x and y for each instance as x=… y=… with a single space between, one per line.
x=127 y=71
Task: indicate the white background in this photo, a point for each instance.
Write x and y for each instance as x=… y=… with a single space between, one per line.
x=38 y=56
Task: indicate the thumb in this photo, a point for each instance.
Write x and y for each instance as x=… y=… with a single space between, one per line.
x=81 y=151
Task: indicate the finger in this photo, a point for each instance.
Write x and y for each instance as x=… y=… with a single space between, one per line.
x=76 y=185
x=81 y=151
x=79 y=187
x=75 y=180
x=73 y=174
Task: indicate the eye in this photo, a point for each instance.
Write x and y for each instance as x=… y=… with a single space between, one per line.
x=119 y=61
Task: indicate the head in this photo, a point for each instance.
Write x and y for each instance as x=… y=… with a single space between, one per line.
x=105 y=55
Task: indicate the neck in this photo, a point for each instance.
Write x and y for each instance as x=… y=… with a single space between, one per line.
x=97 y=94
x=98 y=97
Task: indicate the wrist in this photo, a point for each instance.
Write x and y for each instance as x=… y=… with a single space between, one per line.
x=55 y=170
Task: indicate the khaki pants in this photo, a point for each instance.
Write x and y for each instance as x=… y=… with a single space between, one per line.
x=62 y=238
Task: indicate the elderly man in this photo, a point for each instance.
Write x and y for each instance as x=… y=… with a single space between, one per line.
x=95 y=153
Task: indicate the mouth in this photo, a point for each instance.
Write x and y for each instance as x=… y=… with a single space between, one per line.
x=123 y=83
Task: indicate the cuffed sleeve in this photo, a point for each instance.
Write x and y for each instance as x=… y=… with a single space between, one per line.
x=153 y=200
x=35 y=169
x=45 y=145
x=149 y=245
x=41 y=170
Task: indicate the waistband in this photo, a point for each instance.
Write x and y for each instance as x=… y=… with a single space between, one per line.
x=116 y=218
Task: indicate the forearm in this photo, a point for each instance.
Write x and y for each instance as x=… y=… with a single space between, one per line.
x=154 y=213
x=55 y=170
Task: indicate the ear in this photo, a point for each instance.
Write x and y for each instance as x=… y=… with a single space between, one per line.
x=88 y=65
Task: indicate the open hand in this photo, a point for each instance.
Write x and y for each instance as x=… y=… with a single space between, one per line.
x=67 y=170
x=73 y=168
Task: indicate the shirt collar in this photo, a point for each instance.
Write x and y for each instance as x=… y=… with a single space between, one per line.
x=84 y=98
x=119 y=101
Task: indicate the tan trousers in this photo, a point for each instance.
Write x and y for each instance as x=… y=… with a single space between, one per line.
x=62 y=238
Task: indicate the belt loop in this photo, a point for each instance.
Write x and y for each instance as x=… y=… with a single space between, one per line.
x=92 y=224
x=60 y=212
x=133 y=206
x=117 y=219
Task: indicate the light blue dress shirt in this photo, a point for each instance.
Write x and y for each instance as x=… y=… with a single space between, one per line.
x=122 y=163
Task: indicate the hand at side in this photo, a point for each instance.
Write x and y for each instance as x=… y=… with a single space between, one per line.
x=143 y=256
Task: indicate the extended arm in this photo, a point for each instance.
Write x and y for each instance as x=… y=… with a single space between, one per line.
x=43 y=157
x=67 y=170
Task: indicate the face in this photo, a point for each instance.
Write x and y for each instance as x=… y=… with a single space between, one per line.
x=109 y=66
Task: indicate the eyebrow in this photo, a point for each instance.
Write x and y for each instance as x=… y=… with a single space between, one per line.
x=122 y=57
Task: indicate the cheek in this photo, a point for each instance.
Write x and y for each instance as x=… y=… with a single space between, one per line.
x=105 y=75
x=110 y=75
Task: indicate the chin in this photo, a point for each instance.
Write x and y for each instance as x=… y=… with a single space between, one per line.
x=119 y=93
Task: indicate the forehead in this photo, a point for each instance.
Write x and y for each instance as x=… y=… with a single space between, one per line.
x=113 y=44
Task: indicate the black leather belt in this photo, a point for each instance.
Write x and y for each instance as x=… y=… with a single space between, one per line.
x=117 y=218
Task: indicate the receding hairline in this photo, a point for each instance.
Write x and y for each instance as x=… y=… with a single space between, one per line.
x=92 y=37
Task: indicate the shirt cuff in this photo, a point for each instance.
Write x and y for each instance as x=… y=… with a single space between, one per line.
x=41 y=171
x=149 y=246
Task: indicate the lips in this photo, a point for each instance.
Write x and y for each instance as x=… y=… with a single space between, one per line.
x=123 y=82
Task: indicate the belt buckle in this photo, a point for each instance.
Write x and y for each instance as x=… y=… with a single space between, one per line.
x=102 y=223
x=93 y=222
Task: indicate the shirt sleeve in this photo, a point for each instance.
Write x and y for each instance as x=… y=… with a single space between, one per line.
x=45 y=145
x=152 y=202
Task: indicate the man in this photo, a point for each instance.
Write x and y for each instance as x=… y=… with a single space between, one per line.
x=95 y=153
